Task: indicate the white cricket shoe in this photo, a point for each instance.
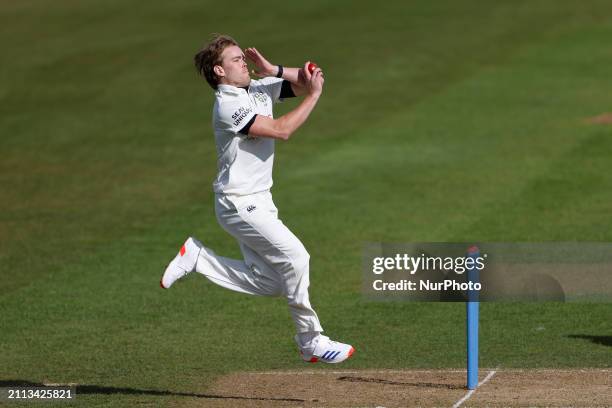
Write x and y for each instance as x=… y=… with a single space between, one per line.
x=184 y=263
x=325 y=350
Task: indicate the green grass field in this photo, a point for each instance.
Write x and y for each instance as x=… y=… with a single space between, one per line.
x=440 y=121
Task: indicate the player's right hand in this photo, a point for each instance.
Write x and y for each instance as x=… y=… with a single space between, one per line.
x=264 y=67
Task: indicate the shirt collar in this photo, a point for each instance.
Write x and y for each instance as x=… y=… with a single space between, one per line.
x=230 y=89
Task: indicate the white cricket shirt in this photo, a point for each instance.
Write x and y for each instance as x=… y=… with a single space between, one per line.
x=244 y=163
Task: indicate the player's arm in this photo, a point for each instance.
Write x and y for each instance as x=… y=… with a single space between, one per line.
x=264 y=69
x=284 y=126
x=293 y=75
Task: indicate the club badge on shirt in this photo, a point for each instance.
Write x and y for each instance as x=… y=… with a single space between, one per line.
x=261 y=97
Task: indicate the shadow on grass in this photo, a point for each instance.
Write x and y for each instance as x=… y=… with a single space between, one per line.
x=407 y=384
x=603 y=340
x=103 y=390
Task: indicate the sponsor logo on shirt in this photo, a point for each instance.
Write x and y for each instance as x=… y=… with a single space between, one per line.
x=240 y=114
x=251 y=208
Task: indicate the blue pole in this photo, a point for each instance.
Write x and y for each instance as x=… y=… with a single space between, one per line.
x=472 y=324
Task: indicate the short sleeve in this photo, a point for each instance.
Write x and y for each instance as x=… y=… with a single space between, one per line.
x=234 y=114
x=272 y=86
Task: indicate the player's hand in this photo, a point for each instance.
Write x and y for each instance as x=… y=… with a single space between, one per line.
x=263 y=67
x=304 y=75
x=312 y=82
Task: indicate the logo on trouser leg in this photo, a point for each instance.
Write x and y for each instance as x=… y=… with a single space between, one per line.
x=251 y=208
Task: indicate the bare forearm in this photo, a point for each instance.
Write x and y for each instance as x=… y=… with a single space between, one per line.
x=288 y=123
x=292 y=75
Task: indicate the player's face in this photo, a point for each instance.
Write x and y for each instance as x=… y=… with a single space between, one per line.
x=235 y=70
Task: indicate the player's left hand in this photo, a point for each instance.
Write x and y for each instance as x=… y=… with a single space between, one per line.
x=264 y=67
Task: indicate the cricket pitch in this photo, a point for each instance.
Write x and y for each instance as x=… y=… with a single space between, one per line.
x=409 y=388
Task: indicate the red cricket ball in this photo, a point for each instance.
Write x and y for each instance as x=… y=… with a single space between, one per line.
x=311 y=67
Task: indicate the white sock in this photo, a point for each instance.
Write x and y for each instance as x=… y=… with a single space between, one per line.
x=307 y=337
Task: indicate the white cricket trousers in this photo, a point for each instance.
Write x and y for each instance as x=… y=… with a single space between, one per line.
x=275 y=261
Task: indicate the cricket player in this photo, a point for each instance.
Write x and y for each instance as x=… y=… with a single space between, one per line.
x=275 y=263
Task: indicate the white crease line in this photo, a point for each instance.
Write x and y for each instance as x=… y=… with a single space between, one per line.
x=465 y=398
x=470 y=392
x=487 y=378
